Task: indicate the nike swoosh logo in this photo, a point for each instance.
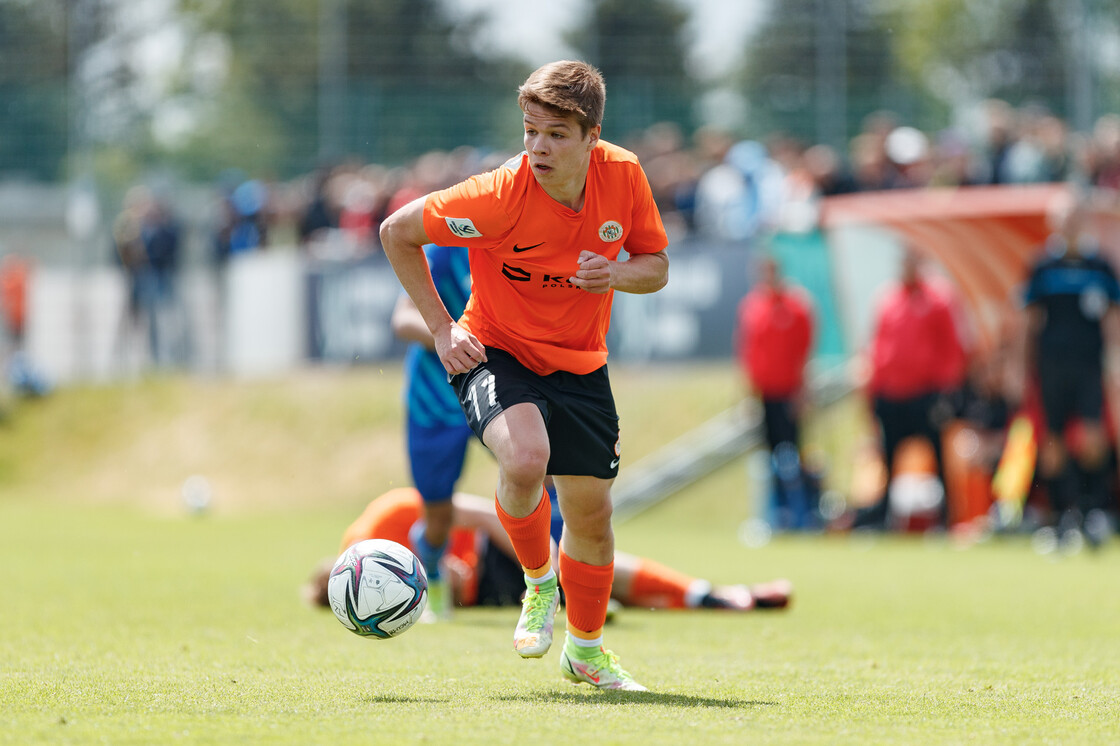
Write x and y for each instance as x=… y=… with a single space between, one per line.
x=518 y=249
x=614 y=463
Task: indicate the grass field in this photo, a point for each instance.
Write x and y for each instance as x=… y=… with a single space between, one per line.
x=126 y=620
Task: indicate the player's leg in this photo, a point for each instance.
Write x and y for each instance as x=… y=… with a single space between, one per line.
x=1058 y=405
x=587 y=570
x=1091 y=459
x=504 y=409
x=436 y=455
x=585 y=441
x=643 y=582
x=585 y=659
x=520 y=443
x=586 y=556
x=586 y=562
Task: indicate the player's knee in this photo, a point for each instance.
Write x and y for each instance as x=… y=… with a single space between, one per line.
x=527 y=466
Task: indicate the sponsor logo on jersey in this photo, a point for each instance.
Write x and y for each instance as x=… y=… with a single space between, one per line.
x=464 y=228
x=515 y=273
x=518 y=249
x=610 y=231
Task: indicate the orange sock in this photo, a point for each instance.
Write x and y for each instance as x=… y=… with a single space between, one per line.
x=529 y=535
x=657 y=586
x=587 y=588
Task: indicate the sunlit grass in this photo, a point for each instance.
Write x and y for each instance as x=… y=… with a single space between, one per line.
x=128 y=620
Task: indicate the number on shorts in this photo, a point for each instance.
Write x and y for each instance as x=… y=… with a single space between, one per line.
x=485 y=382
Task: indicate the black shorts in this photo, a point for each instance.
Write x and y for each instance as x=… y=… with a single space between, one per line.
x=578 y=410
x=1070 y=389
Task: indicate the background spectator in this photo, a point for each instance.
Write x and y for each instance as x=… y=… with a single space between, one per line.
x=773 y=339
x=1071 y=298
x=320 y=214
x=917 y=364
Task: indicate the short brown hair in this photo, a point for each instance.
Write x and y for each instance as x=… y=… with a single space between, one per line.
x=567 y=87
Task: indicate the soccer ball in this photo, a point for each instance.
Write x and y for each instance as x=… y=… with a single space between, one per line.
x=377 y=588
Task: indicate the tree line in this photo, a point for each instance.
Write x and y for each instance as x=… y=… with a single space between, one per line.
x=277 y=86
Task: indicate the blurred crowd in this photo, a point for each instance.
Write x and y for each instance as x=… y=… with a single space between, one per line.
x=713 y=184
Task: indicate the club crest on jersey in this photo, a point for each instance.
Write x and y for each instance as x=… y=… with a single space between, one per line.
x=464 y=228
x=610 y=231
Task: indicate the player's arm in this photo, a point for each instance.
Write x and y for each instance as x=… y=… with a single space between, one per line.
x=641 y=273
x=409 y=325
x=402 y=239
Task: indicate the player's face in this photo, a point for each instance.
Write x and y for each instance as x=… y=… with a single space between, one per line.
x=559 y=152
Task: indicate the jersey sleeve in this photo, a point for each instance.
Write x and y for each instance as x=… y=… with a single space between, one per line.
x=468 y=213
x=647 y=232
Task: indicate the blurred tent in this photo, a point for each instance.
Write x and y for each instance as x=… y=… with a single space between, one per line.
x=985 y=239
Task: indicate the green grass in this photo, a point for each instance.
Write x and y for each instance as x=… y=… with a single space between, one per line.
x=124 y=620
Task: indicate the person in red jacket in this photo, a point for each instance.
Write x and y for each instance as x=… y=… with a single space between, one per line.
x=917 y=362
x=775 y=332
x=775 y=329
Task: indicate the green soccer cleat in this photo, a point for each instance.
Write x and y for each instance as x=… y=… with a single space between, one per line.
x=602 y=670
x=533 y=636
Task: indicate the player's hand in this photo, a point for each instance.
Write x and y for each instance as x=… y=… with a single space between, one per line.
x=458 y=349
x=594 y=273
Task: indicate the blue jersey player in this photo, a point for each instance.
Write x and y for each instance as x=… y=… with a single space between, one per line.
x=437 y=432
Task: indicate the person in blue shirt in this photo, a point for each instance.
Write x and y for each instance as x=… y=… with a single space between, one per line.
x=437 y=432
x=1071 y=300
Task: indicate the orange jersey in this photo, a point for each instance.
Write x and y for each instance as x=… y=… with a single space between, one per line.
x=524 y=246
x=391 y=515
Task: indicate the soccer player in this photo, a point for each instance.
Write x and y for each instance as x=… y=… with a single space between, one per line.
x=483 y=569
x=528 y=355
